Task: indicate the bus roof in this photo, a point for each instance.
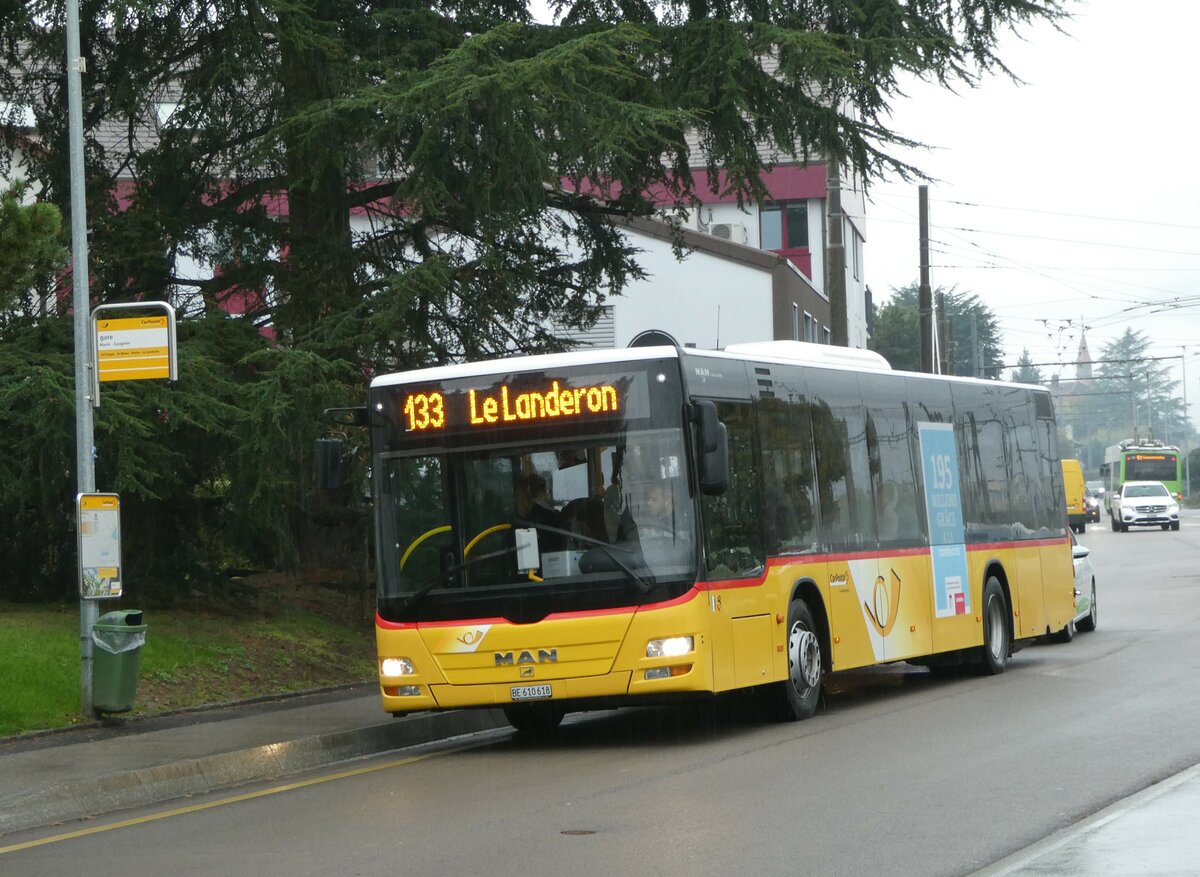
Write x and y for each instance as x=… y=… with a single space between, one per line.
x=541 y=361
x=792 y=352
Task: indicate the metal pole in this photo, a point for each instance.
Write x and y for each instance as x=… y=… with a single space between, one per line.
x=85 y=475
x=1149 y=407
x=924 y=293
x=835 y=257
x=1187 y=432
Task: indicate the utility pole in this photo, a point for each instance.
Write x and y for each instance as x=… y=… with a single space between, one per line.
x=945 y=345
x=1187 y=432
x=835 y=256
x=976 y=353
x=85 y=474
x=924 y=293
x=1149 y=407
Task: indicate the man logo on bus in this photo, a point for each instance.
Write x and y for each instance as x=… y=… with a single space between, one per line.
x=544 y=656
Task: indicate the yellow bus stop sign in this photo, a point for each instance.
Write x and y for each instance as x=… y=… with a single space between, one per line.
x=133 y=348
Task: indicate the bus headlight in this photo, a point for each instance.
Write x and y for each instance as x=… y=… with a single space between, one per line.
x=396 y=667
x=671 y=647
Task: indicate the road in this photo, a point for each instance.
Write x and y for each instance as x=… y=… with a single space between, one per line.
x=898 y=774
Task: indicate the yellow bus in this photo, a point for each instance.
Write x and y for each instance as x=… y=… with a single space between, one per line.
x=617 y=527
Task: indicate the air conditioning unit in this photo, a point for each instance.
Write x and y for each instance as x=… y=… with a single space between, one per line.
x=729 y=231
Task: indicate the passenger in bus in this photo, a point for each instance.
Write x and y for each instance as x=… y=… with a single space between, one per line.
x=785 y=522
x=535 y=506
x=656 y=518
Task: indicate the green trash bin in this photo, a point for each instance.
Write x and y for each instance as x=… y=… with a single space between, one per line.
x=117 y=640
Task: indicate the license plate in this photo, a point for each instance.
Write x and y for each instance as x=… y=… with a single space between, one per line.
x=531 y=692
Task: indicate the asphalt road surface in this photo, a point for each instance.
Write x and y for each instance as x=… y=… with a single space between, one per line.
x=900 y=773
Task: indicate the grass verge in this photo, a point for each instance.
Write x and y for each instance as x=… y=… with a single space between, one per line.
x=190 y=658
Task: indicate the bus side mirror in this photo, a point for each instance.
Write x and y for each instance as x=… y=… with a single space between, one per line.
x=712 y=446
x=714 y=466
x=707 y=426
x=332 y=461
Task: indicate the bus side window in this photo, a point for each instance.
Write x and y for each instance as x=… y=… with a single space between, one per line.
x=843 y=464
x=899 y=516
x=791 y=515
x=732 y=521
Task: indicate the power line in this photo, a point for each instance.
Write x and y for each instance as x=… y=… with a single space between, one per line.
x=1120 y=219
x=1095 y=362
x=1039 y=237
x=1078 y=215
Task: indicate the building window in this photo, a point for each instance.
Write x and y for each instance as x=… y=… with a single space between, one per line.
x=784 y=225
x=810 y=327
x=795 y=322
x=826 y=335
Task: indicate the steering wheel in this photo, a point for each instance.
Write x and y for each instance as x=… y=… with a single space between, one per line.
x=495 y=528
x=445 y=528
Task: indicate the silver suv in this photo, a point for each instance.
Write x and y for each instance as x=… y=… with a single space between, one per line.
x=1144 y=504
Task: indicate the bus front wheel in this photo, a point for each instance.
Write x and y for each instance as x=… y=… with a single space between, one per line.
x=535 y=720
x=993 y=657
x=801 y=691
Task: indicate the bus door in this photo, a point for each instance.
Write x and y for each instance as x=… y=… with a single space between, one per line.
x=860 y=613
x=1028 y=593
x=898 y=609
x=743 y=625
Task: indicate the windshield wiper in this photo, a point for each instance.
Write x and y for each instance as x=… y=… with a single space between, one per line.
x=643 y=585
x=429 y=584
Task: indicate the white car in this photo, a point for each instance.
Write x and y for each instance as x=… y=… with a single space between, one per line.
x=1144 y=504
x=1085 y=594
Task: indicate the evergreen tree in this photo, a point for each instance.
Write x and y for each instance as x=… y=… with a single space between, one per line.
x=1026 y=372
x=1139 y=394
x=379 y=185
x=973 y=334
x=31 y=250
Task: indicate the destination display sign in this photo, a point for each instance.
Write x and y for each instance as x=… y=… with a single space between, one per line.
x=524 y=400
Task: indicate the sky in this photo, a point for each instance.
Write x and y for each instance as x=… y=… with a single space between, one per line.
x=1069 y=203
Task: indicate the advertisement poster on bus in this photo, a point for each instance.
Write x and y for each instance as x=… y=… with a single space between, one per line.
x=943 y=508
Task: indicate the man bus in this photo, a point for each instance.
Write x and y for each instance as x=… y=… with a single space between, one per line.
x=755 y=518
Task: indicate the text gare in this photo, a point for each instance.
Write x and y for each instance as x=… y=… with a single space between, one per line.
x=424 y=411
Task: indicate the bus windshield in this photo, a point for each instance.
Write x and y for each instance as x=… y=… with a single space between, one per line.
x=1151 y=467
x=524 y=531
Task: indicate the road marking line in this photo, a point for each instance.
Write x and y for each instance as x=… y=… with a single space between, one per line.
x=235 y=799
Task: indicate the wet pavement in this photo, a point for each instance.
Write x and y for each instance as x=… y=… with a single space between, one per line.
x=102 y=768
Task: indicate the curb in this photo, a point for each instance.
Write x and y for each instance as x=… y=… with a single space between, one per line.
x=197 y=776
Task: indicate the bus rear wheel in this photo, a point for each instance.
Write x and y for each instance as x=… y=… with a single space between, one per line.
x=993 y=656
x=798 y=695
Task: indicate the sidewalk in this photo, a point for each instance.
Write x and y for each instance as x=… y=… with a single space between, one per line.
x=1152 y=833
x=102 y=768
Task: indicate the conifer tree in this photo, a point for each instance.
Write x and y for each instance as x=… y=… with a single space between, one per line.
x=377 y=185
